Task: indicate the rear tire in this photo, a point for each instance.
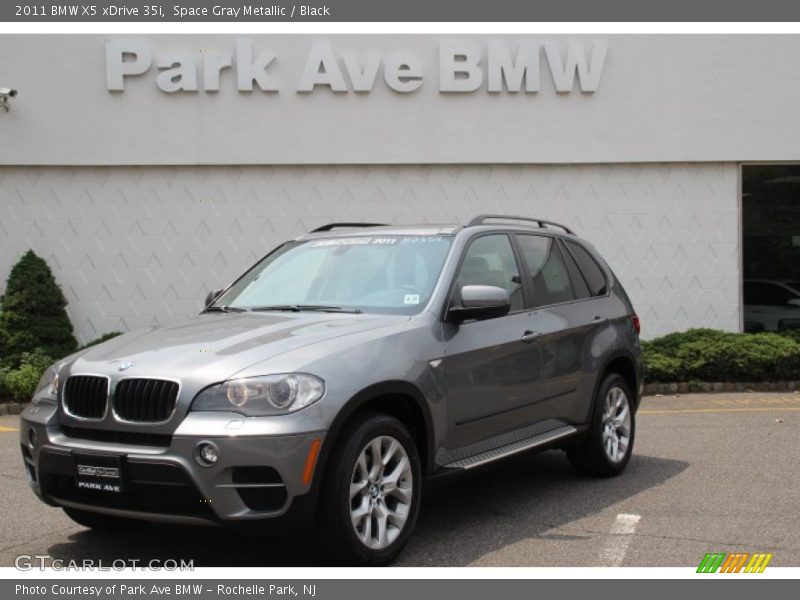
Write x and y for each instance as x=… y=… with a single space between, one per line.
x=606 y=448
x=100 y=522
x=369 y=507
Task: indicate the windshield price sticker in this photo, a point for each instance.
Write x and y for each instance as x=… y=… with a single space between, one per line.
x=359 y=241
x=341 y=242
x=422 y=239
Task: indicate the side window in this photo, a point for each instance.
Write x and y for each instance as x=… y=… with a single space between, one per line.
x=751 y=295
x=549 y=275
x=592 y=273
x=490 y=261
x=775 y=295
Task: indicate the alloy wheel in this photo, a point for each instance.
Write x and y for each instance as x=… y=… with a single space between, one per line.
x=616 y=424
x=381 y=492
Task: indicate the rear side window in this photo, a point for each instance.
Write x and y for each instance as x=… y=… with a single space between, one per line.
x=549 y=275
x=592 y=273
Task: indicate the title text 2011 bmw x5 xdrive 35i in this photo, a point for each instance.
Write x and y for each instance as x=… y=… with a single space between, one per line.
x=338 y=375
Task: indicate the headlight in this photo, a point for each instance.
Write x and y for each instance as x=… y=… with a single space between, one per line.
x=262 y=396
x=47 y=388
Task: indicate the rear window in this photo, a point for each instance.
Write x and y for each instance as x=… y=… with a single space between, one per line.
x=592 y=273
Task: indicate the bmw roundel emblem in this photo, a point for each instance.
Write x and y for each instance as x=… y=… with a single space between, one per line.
x=126 y=365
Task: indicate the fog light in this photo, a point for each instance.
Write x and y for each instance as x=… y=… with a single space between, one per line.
x=32 y=437
x=206 y=454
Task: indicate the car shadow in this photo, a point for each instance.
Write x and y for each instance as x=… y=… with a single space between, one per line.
x=520 y=498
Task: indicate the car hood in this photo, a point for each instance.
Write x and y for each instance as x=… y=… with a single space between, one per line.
x=214 y=347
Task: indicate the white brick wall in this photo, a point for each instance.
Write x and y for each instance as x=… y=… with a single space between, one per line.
x=139 y=246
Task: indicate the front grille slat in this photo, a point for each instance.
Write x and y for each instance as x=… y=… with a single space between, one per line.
x=129 y=399
x=75 y=394
x=81 y=392
x=134 y=399
x=86 y=396
x=84 y=385
x=145 y=400
x=95 y=388
x=158 y=398
x=151 y=392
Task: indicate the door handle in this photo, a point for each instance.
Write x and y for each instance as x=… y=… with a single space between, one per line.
x=599 y=319
x=530 y=336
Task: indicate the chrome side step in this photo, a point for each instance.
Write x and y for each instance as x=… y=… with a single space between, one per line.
x=471 y=462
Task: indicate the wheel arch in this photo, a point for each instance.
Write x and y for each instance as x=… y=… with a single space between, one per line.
x=399 y=399
x=624 y=363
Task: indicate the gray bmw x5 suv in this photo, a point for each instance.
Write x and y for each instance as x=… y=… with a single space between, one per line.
x=341 y=374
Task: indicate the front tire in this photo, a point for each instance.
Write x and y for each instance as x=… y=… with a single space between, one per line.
x=606 y=448
x=370 y=495
x=101 y=522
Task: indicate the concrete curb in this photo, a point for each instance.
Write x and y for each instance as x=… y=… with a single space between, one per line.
x=11 y=408
x=689 y=387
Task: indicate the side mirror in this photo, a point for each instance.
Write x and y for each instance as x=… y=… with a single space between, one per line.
x=212 y=295
x=793 y=302
x=481 y=302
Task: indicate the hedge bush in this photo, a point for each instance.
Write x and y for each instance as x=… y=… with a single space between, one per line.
x=710 y=355
x=32 y=315
x=20 y=383
x=4 y=371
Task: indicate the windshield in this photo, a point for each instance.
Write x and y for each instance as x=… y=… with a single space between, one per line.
x=392 y=274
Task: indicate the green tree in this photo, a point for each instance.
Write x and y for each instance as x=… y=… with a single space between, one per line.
x=32 y=315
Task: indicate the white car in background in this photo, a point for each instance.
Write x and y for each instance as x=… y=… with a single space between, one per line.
x=771 y=305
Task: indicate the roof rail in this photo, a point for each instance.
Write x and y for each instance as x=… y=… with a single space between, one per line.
x=331 y=226
x=479 y=220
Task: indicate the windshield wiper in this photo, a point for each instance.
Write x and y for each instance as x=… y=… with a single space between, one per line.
x=224 y=309
x=309 y=307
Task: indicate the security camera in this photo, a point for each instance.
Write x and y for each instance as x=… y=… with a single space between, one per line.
x=5 y=94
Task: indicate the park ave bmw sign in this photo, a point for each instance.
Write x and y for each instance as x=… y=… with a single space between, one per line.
x=462 y=67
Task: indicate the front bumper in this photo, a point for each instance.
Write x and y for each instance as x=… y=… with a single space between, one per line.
x=256 y=478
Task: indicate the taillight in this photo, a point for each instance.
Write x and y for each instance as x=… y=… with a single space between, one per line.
x=637 y=325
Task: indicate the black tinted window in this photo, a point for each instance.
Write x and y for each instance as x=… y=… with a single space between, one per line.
x=777 y=296
x=766 y=294
x=578 y=282
x=549 y=275
x=753 y=292
x=592 y=273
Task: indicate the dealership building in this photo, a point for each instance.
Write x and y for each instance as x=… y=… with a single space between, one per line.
x=149 y=169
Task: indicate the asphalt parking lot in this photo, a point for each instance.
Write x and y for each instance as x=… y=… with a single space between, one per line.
x=710 y=473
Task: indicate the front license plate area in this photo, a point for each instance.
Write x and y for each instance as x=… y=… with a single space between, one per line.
x=99 y=472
